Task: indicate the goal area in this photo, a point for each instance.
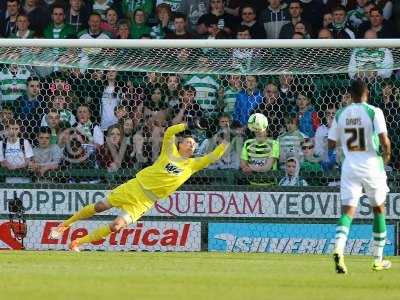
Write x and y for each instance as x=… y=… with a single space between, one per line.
x=79 y=117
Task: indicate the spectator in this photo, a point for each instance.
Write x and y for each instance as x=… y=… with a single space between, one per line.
x=298 y=36
x=129 y=8
x=13 y=82
x=110 y=25
x=207 y=87
x=77 y=156
x=249 y=19
x=193 y=10
x=188 y=109
x=260 y=154
x=247 y=100
x=46 y=156
x=287 y=91
x=231 y=158
x=94 y=31
x=225 y=21
x=155 y=115
x=15 y=152
x=164 y=24
x=8 y=24
x=139 y=26
x=308 y=117
x=38 y=15
x=339 y=27
x=325 y=34
x=290 y=141
x=273 y=108
x=180 y=31
x=363 y=59
x=358 y=15
x=295 y=11
x=327 y=20
x=321 y=135
x=30 y=106
x=77 y=15
x=6 y=114
x=172 y=87
x=123 y=29
x=111 y=96
x=60 y=102
x=230 y=93
x=344 y=100
x=384 y=29
x=300 y=27
x=90 y=131
x=23 y=31
x=201 y=31
x=58 y=29
x=52 y=119
x=391 y=110
x=311 y=162
x=292 y=169
x=214 y=32
x=115 y=153
x=273 y=18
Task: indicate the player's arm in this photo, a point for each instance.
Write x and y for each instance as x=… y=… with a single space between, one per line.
x=169 y=136
x=386 y=147
x=203 y=161
x=381 y=130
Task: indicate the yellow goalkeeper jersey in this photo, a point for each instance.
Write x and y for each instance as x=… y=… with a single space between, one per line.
x=171 y=170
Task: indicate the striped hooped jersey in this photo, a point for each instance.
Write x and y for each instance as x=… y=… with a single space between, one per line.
x=357 y=127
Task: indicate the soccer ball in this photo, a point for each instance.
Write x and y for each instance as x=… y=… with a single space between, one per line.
x=257 y=122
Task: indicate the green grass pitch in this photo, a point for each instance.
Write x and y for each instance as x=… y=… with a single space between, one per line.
x=190 y=276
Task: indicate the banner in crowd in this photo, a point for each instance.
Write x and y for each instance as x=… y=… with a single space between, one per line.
x=143 y=236
x=292 y=238
x=205 y=203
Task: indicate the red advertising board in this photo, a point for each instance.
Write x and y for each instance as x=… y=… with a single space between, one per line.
x=143 y=236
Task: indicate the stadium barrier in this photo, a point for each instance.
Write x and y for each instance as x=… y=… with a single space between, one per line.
x=202 y=219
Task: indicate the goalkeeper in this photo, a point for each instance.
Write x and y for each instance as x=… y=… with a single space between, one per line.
x=173 y=167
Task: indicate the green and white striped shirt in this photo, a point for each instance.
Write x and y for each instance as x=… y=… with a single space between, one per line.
x=230 y=100
x=13 y=85
x=206 y=92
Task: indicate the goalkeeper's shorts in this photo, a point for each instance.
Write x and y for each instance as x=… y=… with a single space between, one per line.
x=131 y=198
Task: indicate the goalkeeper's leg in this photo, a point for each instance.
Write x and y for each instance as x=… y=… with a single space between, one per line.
x=101 y=232
x=85 y=213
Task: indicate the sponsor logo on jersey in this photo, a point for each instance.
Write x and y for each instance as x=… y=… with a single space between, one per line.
x=172 y=169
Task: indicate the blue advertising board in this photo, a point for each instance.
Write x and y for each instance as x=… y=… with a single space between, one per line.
x=292 y=238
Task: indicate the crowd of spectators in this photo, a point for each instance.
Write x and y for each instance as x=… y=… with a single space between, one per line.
x=188 y=19
x=110 y=120
x=60 y=119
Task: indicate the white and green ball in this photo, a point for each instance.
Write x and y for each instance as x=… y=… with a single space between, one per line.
x=257 y=122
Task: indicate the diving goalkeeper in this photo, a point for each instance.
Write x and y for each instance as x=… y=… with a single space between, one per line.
x=173 y=167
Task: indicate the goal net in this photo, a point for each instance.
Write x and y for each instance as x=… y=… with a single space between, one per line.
x=79 y=117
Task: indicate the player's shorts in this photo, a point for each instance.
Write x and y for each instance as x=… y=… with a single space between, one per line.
x=132 y=199
x=352 y=183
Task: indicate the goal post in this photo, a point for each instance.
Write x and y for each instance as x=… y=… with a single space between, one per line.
x=103 y=105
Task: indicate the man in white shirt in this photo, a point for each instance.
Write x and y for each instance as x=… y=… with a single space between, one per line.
x=360 y=129
x=15 y=152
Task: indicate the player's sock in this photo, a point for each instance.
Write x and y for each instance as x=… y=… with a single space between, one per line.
x=379 y=235
x=96 y=235
x=84 y=213
x=342 y=231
